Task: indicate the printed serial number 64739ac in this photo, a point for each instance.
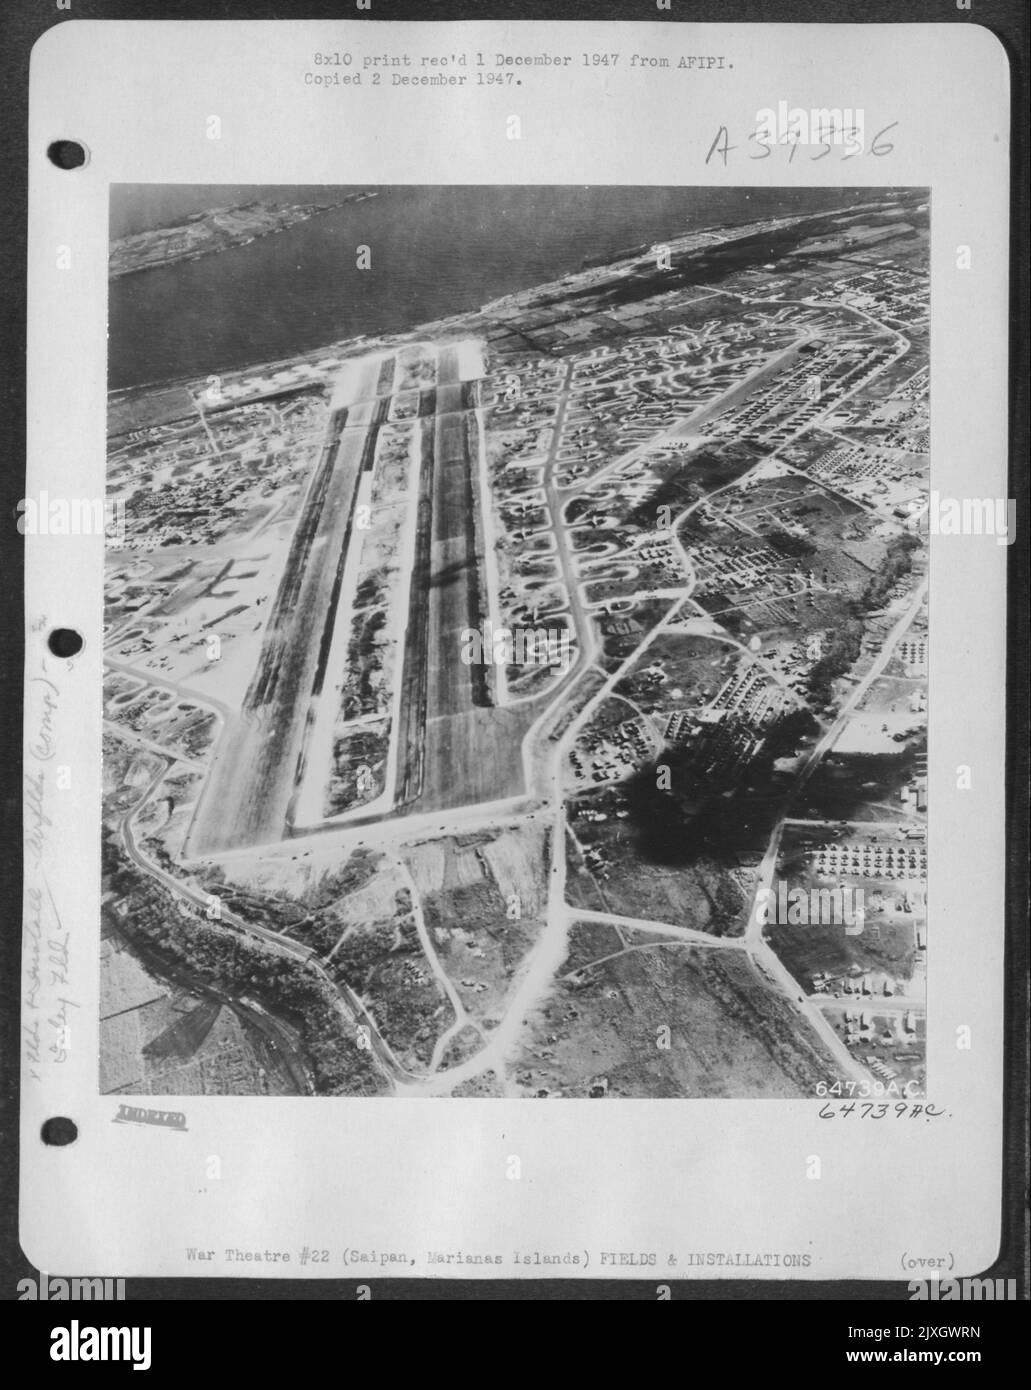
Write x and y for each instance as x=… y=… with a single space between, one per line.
x=865 y=1089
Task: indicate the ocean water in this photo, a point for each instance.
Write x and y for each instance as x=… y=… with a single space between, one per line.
x=435 y=251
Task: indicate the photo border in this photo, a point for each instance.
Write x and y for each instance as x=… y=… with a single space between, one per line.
x=1010 y=25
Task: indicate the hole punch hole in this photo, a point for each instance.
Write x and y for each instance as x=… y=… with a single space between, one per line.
x=67 y=154
x=64 y=642
x=59 y=1131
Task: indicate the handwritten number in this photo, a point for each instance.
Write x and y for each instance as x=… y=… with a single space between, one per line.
x=886 y=148
x=825 y=140
x=717 y=148
x=757 y=137
x=850 y=134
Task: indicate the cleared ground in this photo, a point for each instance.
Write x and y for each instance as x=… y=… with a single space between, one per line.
x=666 y=1020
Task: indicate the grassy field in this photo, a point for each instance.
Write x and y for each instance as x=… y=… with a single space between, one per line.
x=667 y=1020
x=887 y=946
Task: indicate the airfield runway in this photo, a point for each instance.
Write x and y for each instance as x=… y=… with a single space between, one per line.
x=455 y=747
x=248 y=793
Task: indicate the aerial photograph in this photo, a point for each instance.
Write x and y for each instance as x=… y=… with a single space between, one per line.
x=515 y=642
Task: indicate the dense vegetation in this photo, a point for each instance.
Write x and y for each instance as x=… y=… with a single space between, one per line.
x=234 y=964
x=898 y=561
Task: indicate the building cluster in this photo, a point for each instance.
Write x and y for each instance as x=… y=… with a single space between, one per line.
x=190 y=488
x=660 y=565
x=748 y=567
x=912 y=652
x=749 y=695
x=611 y=753
x=725 y=735
x=868 y=859
x=623 y=396
x=855 y=982
x=788 y=403
x=913 y=794
x=897 y=296
x=862 y=469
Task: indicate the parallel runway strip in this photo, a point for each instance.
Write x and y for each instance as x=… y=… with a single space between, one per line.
x=446 y=593
x=251 y=786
